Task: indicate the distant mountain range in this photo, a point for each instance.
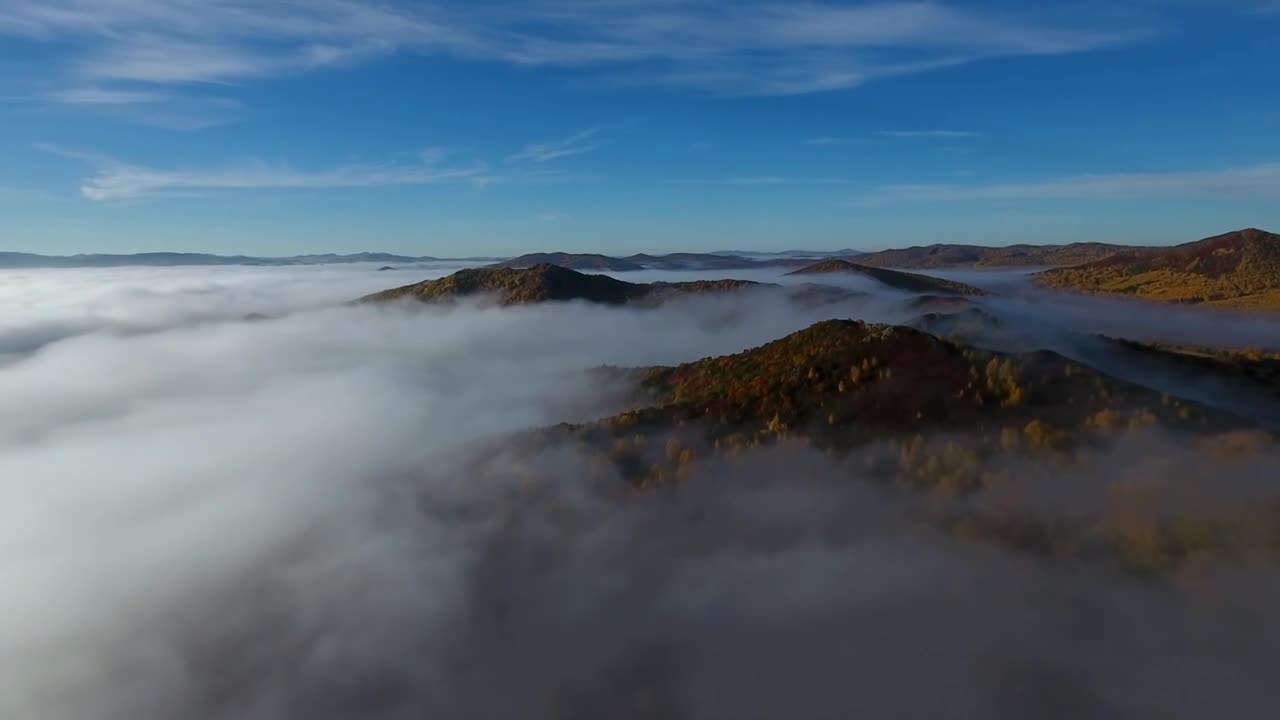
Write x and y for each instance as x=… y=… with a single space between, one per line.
x=1239 y=269
x=925 y=257
x=575 y=261
x=978 y=256
x=169 y=259
x=644 y=261
x=1201 y=269
x=793 y=254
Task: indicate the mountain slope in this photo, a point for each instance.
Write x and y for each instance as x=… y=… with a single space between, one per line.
x=546 y=283
x=931 y=413
x=984 y=436
x=846 y=374
x=893 y=278
x=1238 y=269
x=962 y=256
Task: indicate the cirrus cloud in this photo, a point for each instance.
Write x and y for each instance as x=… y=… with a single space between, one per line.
x=117 y=180
x=749 y=48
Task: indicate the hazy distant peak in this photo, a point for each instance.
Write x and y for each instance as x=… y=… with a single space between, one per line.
x=893 y=278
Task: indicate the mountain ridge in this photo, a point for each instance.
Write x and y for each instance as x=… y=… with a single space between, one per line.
x=572 y=261
x=548 y=283
x=984 y=256
x=945 y=422
x=1238 y=269
x=647 y=261
x=896 y=279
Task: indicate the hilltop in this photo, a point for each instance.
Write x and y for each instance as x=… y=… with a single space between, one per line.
x=893 y=278
x=708 y=261
x=547 y=283
x=573 y=261
x=843 y=375
x=923 y=415
x=845 y=384
x=1239 y=269
x=978 y=256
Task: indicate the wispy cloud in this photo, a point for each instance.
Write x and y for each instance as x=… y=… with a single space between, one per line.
x=156 y=108
x=747 y=47
x=769 y=47
x=578 y=143
x=436 y=154
x=1252 y=182
x=117 y=180
x=105 y=96
x=943 y=134
x=827 y=141
x=752 y=180
x=179 y=41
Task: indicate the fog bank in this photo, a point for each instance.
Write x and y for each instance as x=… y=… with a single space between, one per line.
x=207 y=517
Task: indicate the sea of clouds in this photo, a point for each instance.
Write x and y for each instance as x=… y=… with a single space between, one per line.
x=228 y=493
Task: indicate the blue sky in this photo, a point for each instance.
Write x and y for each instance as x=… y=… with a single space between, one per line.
x=485 y=127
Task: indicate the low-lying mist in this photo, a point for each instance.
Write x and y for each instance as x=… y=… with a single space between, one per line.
x=207 y=516
x=43 y=306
